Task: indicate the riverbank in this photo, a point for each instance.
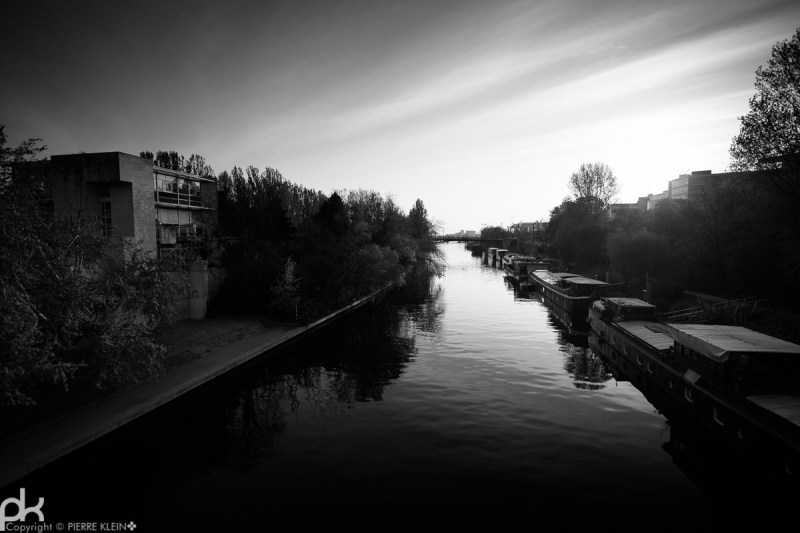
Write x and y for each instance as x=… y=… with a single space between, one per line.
x=197 y=352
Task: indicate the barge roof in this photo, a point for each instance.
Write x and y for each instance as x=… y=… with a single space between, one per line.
x=783 y=405
x=553 y=277
x=719 y=342
x=628 y=302
x=644 y=330
x=580 y=280
x=561 y=274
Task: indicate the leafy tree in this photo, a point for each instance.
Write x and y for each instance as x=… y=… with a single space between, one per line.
x=194 y=164
x=595 y=185
x=72 y=313
x=288 y=246
x=769 y=138
x=771 y=129
x=494 y=232
x=670 y=218
x=577 y=232
x=422 y=230
x=628 y=220
x=636 y=255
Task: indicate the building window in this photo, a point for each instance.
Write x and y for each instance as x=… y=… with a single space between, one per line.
x=180 y=191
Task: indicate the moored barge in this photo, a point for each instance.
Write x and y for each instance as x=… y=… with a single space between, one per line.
x=741 y=384
x=519 y=267
x=568 y=295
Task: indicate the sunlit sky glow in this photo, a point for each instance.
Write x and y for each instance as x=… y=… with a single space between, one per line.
x=481 y=109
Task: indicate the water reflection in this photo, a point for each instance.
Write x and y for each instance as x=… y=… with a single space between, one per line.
x=256 y=424
x=742 y=494
x=520 y=292
x=586 y=368
x=421 y=310
x=465 y=404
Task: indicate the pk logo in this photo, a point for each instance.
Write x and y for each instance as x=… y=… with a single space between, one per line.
x=22 y=511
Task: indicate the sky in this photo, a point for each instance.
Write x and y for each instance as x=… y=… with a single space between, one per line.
x=481 y=109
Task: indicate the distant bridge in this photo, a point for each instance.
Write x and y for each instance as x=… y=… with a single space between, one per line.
x=453 y=238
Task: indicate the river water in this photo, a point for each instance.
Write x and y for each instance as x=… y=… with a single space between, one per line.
x=471 y=409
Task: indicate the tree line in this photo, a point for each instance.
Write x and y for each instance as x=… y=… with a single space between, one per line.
x=295 y=253
x=80 y=313
x=739 y=238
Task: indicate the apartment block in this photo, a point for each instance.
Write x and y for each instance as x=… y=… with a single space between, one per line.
x=161 y=209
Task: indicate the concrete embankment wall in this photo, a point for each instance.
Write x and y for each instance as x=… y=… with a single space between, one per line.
x=44 y=444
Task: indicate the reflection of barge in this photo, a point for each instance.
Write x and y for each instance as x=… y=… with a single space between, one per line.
x=742 y=385
x=568 y=295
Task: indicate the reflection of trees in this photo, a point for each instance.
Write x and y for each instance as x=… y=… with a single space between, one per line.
x=348 y=362
x=427 y=317
x=255 y=423
x=422 y=308
x=585 y=366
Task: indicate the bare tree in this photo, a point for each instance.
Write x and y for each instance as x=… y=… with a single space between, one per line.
x=594 y=185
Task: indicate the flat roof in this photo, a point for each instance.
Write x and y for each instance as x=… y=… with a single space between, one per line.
x=628 y=302
x=580 y=280
x=719 y=342
x=562 y=275
x=180 y=174
x=644 y=330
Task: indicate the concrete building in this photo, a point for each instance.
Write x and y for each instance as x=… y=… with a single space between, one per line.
x=521 y=228
x=163 y=210
x=653 y=199
x=693 y=187
x=698 y=185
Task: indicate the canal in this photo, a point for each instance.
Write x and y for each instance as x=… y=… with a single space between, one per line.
x=468 y=409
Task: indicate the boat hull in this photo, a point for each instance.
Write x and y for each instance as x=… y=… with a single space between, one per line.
x=761 y=436
x=572 y=311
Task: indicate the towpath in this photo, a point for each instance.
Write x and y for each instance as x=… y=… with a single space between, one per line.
x=197 y=352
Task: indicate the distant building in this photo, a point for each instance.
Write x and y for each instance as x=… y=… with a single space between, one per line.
x=653 y=199
x=522 y=228
x=163 y=210
x=696 y=186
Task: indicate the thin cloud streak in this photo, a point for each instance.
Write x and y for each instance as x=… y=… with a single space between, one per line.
x=434 y=100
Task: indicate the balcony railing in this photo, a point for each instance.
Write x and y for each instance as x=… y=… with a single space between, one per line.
x=178 y=198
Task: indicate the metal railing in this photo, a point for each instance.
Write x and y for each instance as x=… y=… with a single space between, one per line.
x=737 y=310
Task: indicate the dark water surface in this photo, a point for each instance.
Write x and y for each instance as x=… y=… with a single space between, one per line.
x=471 y=410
